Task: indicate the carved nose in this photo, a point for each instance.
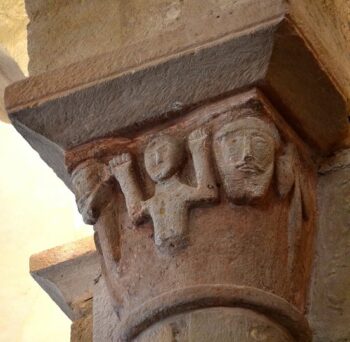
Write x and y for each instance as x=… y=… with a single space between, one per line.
x=247 y=150
x=248 y=158
x=158 y=158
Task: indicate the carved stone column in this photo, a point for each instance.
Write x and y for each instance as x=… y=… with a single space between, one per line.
x=198 y=170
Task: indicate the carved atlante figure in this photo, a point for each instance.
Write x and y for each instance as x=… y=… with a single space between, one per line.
x=168 y=208
x=245 y=151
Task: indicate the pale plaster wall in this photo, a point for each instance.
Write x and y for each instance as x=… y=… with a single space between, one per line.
x=37 y=212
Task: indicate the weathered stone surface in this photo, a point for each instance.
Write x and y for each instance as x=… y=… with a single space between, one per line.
x=133 y=56
x=127 y=100
x=164 y=332
x=224 y=317
x=298 y=86
x=75 y=31
x=325 y=23
x=226 y=325
x=81 y=330
x=329 y=311
x=216 y=325
x=175 y=303
x=105 y=320
x=54 y=36
x=56 y=27
x=67 y=273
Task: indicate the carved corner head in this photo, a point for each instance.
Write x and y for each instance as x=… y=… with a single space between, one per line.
x=285 y=170
x=245 y=151
x=90 y=185
x=164 y=156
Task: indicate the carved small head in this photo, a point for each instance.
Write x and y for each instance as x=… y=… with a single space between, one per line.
x=245 y=154
x=88 y=181
x=164 y=155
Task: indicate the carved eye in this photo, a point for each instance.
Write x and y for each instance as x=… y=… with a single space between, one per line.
x=229 y=139
x=260 y=142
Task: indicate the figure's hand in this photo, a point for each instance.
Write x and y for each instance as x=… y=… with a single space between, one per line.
x=198 y=139
x=120 y=163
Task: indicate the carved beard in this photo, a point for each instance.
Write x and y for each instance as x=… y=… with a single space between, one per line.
x=246 y=188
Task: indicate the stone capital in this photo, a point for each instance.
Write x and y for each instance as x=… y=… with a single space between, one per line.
x=197 y=165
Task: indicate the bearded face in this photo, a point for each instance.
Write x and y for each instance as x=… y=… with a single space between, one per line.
x=245 y=158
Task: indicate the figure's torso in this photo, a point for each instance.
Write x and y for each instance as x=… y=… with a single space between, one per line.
x=168 y=209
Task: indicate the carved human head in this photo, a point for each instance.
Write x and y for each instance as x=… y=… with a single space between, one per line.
x=163 y=157
x=88 y=180
x=245 y=154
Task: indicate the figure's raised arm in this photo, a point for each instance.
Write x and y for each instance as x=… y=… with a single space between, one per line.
x=123 y=171
x=199 y=145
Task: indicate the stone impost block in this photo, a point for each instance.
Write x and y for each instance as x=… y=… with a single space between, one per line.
x=67 y=273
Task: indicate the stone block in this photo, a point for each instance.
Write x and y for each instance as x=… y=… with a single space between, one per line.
x=325 y=24
x=67 y=273
x=65 y=32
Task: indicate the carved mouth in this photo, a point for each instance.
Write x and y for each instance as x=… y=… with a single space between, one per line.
x=248 y=168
